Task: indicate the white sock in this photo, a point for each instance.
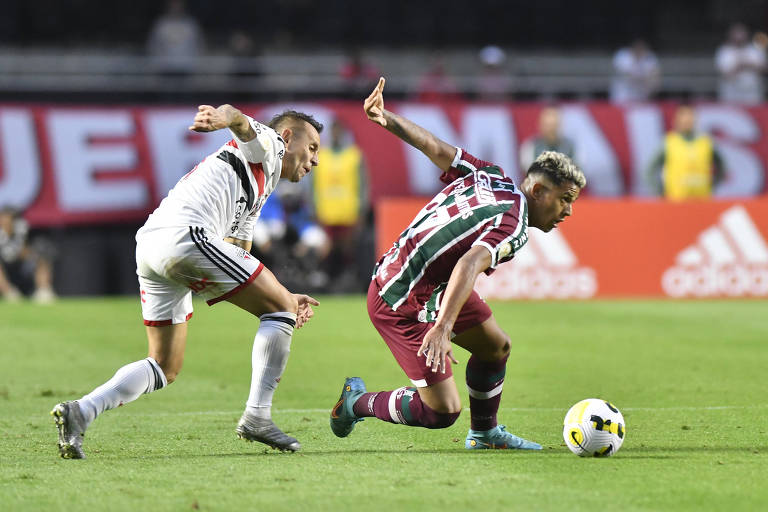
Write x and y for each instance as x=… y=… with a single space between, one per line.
x=128 y=384
x=271 y=347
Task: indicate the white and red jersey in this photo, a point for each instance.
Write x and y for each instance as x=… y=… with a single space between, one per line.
x=479 y=207
x=225 y=192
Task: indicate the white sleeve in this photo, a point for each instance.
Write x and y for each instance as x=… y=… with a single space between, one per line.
x=266 y=142
x=245 y=231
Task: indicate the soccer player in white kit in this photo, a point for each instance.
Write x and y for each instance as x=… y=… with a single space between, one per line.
x=198 y=240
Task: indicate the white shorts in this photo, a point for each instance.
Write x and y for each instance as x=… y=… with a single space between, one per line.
x=174 y=262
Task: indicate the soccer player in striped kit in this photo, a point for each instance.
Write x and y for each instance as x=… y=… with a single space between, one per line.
x=422 y=292
x=198 y=240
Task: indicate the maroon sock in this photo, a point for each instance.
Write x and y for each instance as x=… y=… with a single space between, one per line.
x=484 y=382
x=402 y=405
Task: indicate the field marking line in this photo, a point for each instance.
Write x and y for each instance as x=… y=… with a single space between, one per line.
x=505 y=409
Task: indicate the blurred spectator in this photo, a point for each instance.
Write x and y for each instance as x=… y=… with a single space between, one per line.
x=687 y=166
x=176 y=40
x=242 y=49
x=494 y=84
x=286 y=230
x=740 y=63
x=636 y=73
x=357 y=74
x=548 y=139
x=340 y=198
x=24 y=268
x=437 y=84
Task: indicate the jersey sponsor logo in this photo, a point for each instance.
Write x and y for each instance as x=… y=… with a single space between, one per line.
x=729 y=258
x=484 y=189
x=546 y=268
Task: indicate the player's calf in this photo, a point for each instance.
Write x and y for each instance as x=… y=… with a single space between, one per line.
x=404 y=406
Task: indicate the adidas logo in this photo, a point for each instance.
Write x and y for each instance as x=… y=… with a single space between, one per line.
x=545 y=268
x=728 y=259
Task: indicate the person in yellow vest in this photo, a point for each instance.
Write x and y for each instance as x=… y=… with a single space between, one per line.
x=341 y=201
x=688 y=165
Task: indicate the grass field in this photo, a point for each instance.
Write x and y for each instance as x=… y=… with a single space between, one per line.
x=690 y=378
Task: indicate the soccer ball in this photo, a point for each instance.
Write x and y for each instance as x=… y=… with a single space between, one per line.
x=594 y=428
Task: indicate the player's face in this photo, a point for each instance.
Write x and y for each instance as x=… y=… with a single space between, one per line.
x=551 y=204
x=302 y=145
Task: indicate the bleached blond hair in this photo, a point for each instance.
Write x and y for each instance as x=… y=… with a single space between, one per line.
x=558 y=168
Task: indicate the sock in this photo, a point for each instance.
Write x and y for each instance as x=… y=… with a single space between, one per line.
x=128 y=384
x=485 y=380
x=402 y=405
x=271 y=347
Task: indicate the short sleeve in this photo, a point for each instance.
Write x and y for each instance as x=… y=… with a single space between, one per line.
x=507 y=235
x=245 y=230
x=463 y=164
x=266 y=142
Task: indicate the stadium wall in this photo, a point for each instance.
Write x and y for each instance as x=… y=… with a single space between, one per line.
x=82 y=165
x=616 y=248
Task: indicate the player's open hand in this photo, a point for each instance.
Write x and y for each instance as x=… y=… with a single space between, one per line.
x=305 y=311
x=436 y=347
x=374 y=104
x=210 y=119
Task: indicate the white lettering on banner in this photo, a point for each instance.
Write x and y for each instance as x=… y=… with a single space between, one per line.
x=745 y=173
x=487 y=133
x=76 y=161
x=21 y=176
x=546 y=268
x=729 y=258
x=594 y=155
x=175 y=151
x=421 y=171
x=645 y=134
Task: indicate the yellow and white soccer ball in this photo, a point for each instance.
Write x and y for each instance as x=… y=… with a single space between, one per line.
x=594 y=428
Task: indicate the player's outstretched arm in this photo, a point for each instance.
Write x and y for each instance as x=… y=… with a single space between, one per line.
x=210 y=119
x=440 y=152
x=437 y=342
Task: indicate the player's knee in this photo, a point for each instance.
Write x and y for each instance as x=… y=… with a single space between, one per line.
x=503 y=346
x=434 y=419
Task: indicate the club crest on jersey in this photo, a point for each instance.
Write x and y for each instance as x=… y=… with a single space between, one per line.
x=484 y=190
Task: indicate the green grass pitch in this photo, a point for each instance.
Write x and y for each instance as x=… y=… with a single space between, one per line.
x=689 y=377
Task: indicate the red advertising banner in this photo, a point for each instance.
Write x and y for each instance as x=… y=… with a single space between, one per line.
x=86 y=164
x=613 y=248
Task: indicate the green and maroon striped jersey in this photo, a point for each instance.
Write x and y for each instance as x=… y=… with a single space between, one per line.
x=480 y=206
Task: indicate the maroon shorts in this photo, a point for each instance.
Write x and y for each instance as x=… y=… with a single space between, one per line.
x=404 y=334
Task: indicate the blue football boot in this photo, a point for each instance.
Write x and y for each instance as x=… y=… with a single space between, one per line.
x=497 y=439
x=343 y=418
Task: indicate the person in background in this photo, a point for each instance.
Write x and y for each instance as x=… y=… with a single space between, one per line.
x=288 y=236
x=437 y=84
x=688 y=165
x=637 y=73
x=494 y=84
x=24 y=267
x=548 y=139
x=356 y=73
x=340 y=195
x=740 y=63
x=176 y=40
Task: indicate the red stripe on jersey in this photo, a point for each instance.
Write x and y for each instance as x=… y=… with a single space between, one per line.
x=258 y=172
x=232 y=143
